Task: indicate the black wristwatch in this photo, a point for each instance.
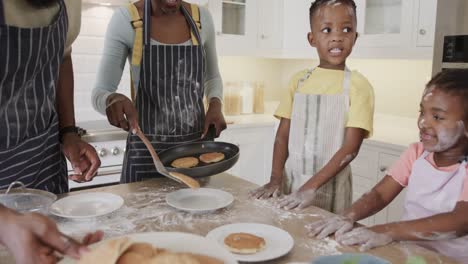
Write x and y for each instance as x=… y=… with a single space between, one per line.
x=65 y=130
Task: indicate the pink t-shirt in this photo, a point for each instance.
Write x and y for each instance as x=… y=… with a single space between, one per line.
x=401 y=170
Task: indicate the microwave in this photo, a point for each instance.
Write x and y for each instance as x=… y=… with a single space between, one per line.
x=455 y=52
x=451 y=36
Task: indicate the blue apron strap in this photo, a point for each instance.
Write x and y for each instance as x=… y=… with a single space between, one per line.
x=192 y=24
x=147 y=23
x=2 y=13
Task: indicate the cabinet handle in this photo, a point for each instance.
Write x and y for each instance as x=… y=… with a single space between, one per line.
x=383 y=169
x=422 y=32
x=218 y=33
x=263 y=36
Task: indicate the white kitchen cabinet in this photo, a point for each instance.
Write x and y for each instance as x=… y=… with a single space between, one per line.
x=370 y=167
x=270 y=17
x=394 y=211
x=283 y=29
x=425 y=30
x=235 y=23
x=384 y=23
x=395 y=29
x=278 y=28
x=255 y=144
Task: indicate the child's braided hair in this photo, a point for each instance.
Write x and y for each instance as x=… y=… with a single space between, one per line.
x=453 y=82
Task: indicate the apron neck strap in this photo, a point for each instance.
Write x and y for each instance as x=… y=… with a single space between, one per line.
x=346 y=80
x=2 y=13
x=147 y=23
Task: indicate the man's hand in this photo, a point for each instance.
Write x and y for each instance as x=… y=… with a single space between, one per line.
x=82 y=157
x=214 y=116
x=33 y=238
x=121 y=112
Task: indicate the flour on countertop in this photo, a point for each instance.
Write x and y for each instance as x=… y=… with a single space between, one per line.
x=147 y=211
x=323 y=247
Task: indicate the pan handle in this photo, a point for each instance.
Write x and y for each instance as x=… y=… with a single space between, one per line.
x=211 y=133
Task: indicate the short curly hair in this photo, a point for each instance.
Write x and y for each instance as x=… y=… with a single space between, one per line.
x=453 y=82
x=319 y=3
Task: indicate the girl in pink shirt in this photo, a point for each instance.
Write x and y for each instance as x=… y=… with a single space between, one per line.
x=435 y=173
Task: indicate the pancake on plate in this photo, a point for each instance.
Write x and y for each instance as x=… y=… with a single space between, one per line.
x=244 y=243
x=123 y=251
x=185 y=163
x=212 y=157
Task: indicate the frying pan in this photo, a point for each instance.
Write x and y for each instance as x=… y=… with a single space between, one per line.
x=195 y=149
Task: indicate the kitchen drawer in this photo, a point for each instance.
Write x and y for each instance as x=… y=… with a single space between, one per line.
x=365 y=164
x=386 y=161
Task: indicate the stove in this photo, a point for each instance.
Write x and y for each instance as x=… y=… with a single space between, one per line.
x=109 y=143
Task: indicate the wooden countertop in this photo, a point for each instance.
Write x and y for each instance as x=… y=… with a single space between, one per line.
x=145 y=210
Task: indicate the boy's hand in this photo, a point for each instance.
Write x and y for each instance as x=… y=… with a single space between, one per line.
x=271 y=189
x=298 y=199
x=323 y=228
x=365 y=237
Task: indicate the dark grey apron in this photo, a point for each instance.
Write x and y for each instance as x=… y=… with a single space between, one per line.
x=169 y=99
x=30 y=58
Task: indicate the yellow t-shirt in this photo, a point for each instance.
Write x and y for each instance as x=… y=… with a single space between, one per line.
x=20 y=13
x=325 y=81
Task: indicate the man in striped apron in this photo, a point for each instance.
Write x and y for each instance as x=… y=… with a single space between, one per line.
x=169 y=98
x=30 y=116
x=35 y=104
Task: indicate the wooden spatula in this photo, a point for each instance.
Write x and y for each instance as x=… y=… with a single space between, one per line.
x=179 y=177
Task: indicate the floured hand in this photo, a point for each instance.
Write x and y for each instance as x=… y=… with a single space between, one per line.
x=323 y=228
x=271 y=189
x=364 y=237
x=298 y=199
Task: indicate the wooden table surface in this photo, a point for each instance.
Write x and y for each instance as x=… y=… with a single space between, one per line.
x=145 y=210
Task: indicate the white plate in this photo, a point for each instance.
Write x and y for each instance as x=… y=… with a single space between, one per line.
x=180 y=242
x=199 y=200
x=86 y=205
x=277 y=241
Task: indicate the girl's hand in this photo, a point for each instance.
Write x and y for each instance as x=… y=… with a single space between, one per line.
x=364 y=237
x=299 y=199
x=323 y=228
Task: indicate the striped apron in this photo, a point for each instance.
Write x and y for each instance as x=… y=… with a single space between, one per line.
x=30 y=58
x=317 y=133
x=169 y=99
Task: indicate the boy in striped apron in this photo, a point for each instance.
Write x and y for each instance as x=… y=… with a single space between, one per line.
x=325 y=116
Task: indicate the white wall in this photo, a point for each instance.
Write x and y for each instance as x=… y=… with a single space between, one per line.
x=86 y=55
x=398 y=84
